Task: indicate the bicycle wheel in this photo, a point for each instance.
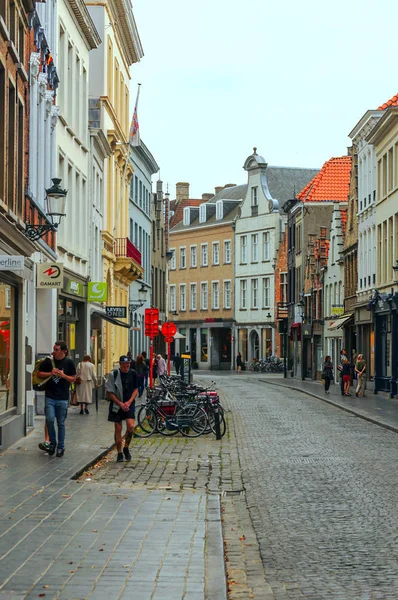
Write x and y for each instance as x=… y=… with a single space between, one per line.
x=211 y=418
x=192 y=420
x=146 y=422
x=167 y=425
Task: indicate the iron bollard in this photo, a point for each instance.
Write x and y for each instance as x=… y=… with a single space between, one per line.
x=217 y=422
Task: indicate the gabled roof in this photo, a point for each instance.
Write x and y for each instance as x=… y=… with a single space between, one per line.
x=343 y=220
x=392 y=102
x=332 y=183
x=179 y=209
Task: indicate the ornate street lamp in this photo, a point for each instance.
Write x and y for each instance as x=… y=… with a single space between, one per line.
x=136 y=304
x=56 y=204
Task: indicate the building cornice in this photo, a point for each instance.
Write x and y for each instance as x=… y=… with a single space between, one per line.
x=147 y=157
x=82 y=16
x=385 y=124
x=126 y=29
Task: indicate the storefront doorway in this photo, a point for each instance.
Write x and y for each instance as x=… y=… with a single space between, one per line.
x=8 y=304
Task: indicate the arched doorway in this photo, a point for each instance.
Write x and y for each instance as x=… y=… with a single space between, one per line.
x=254 y=345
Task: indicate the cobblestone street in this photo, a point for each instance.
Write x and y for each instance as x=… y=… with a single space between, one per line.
x=321 y=489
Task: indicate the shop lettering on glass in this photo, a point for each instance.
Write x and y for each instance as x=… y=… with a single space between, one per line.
x=50 y=275
x=118 y=312
x=11 y=263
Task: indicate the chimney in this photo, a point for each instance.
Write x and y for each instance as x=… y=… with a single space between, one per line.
x=229 y=185
x=182 y=191
x=207 y=197
x=218 y=189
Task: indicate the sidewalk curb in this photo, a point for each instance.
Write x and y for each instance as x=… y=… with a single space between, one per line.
x=92 y=462
x=345 y=408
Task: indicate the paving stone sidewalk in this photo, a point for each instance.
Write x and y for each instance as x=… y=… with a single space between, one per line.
x=146 y=529
x=376 y=408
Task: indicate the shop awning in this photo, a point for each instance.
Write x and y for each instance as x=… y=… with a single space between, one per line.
x=340 y=322
x=112 y=320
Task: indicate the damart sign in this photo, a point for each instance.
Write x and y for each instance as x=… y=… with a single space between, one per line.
x=11 y=263
x=50 y=275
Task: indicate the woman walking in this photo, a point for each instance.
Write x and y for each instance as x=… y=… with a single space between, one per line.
x=327 y=373
x=360 y=370
x=239 y=362
x=85 y=373
x=346 y=376
x=161 y=365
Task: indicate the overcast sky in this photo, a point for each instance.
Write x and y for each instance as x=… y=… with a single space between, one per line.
x=291 y=78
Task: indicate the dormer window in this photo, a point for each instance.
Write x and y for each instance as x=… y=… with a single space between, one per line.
x=219 y=209
x=186 y=215
x=202 y=213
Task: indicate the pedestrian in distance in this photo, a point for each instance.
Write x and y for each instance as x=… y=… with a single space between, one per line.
x=121 y=391
x=161 y=365
x=86 y=381
x=131 y=359
x=360 y=370
x=143 y=353
x=142 y=371
x=327 y=373
x=346 y=376
x=57 y=394
x=177 y=363
x=343 y=355
x=239 y=362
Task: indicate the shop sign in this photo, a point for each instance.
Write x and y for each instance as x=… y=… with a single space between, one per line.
x=50 y=275
x=97 y=291
x=11 y=263
x=337 y=310
x=118 y=312
x=74 y=287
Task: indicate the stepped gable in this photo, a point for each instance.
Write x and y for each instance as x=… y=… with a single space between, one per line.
x=332 y=183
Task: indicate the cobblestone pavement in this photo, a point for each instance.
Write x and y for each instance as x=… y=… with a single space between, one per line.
x=321 y=489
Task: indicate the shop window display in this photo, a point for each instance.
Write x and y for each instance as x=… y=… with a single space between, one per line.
x=7 y=320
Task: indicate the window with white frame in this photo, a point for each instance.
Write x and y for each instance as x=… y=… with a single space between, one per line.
x=227 y=251
x=203 y=295
x=216 y=253
x=243 y=249
x=194 y=258
x=266 y=292
x=183 y=296
x=202 y=213
x=227 y=294
x=254 y=196
x=283 y=287
x=173 y=259
x=255 y=247
x=219 y=209
x=215 y=294
x=254 y=293
x=266 y=245
x=186 y=215
x=172 y=291
x=204 y=258
x=243 y=293
x=183 y=257
x=193 y=296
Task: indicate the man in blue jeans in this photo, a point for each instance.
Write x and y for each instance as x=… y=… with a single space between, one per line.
x=57 y=394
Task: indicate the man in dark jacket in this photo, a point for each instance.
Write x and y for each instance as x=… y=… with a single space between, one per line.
x=121 y=391
x=177 y=363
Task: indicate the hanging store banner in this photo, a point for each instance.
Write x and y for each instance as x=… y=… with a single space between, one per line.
x=97 y=291
x=117 y=312
x=50 y=275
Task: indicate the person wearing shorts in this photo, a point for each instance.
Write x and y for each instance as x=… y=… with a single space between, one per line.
x=121 y=391
x=346 y=376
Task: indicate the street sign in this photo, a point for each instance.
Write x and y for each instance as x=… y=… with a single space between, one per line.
x=151 y=322
x=117 y=312
x=50 y=275
x=169 y=329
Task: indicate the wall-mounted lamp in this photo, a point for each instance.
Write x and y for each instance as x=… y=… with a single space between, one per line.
x=301 y=308
x=174 y=313
x=395 y=269
x=56 y=203
x=136 y=304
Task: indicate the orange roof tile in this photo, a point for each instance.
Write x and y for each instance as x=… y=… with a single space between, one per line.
x=179 y=209
x=331 y=184
x=392 y=102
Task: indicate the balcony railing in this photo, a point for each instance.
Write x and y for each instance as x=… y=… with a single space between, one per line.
x=125 y=248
